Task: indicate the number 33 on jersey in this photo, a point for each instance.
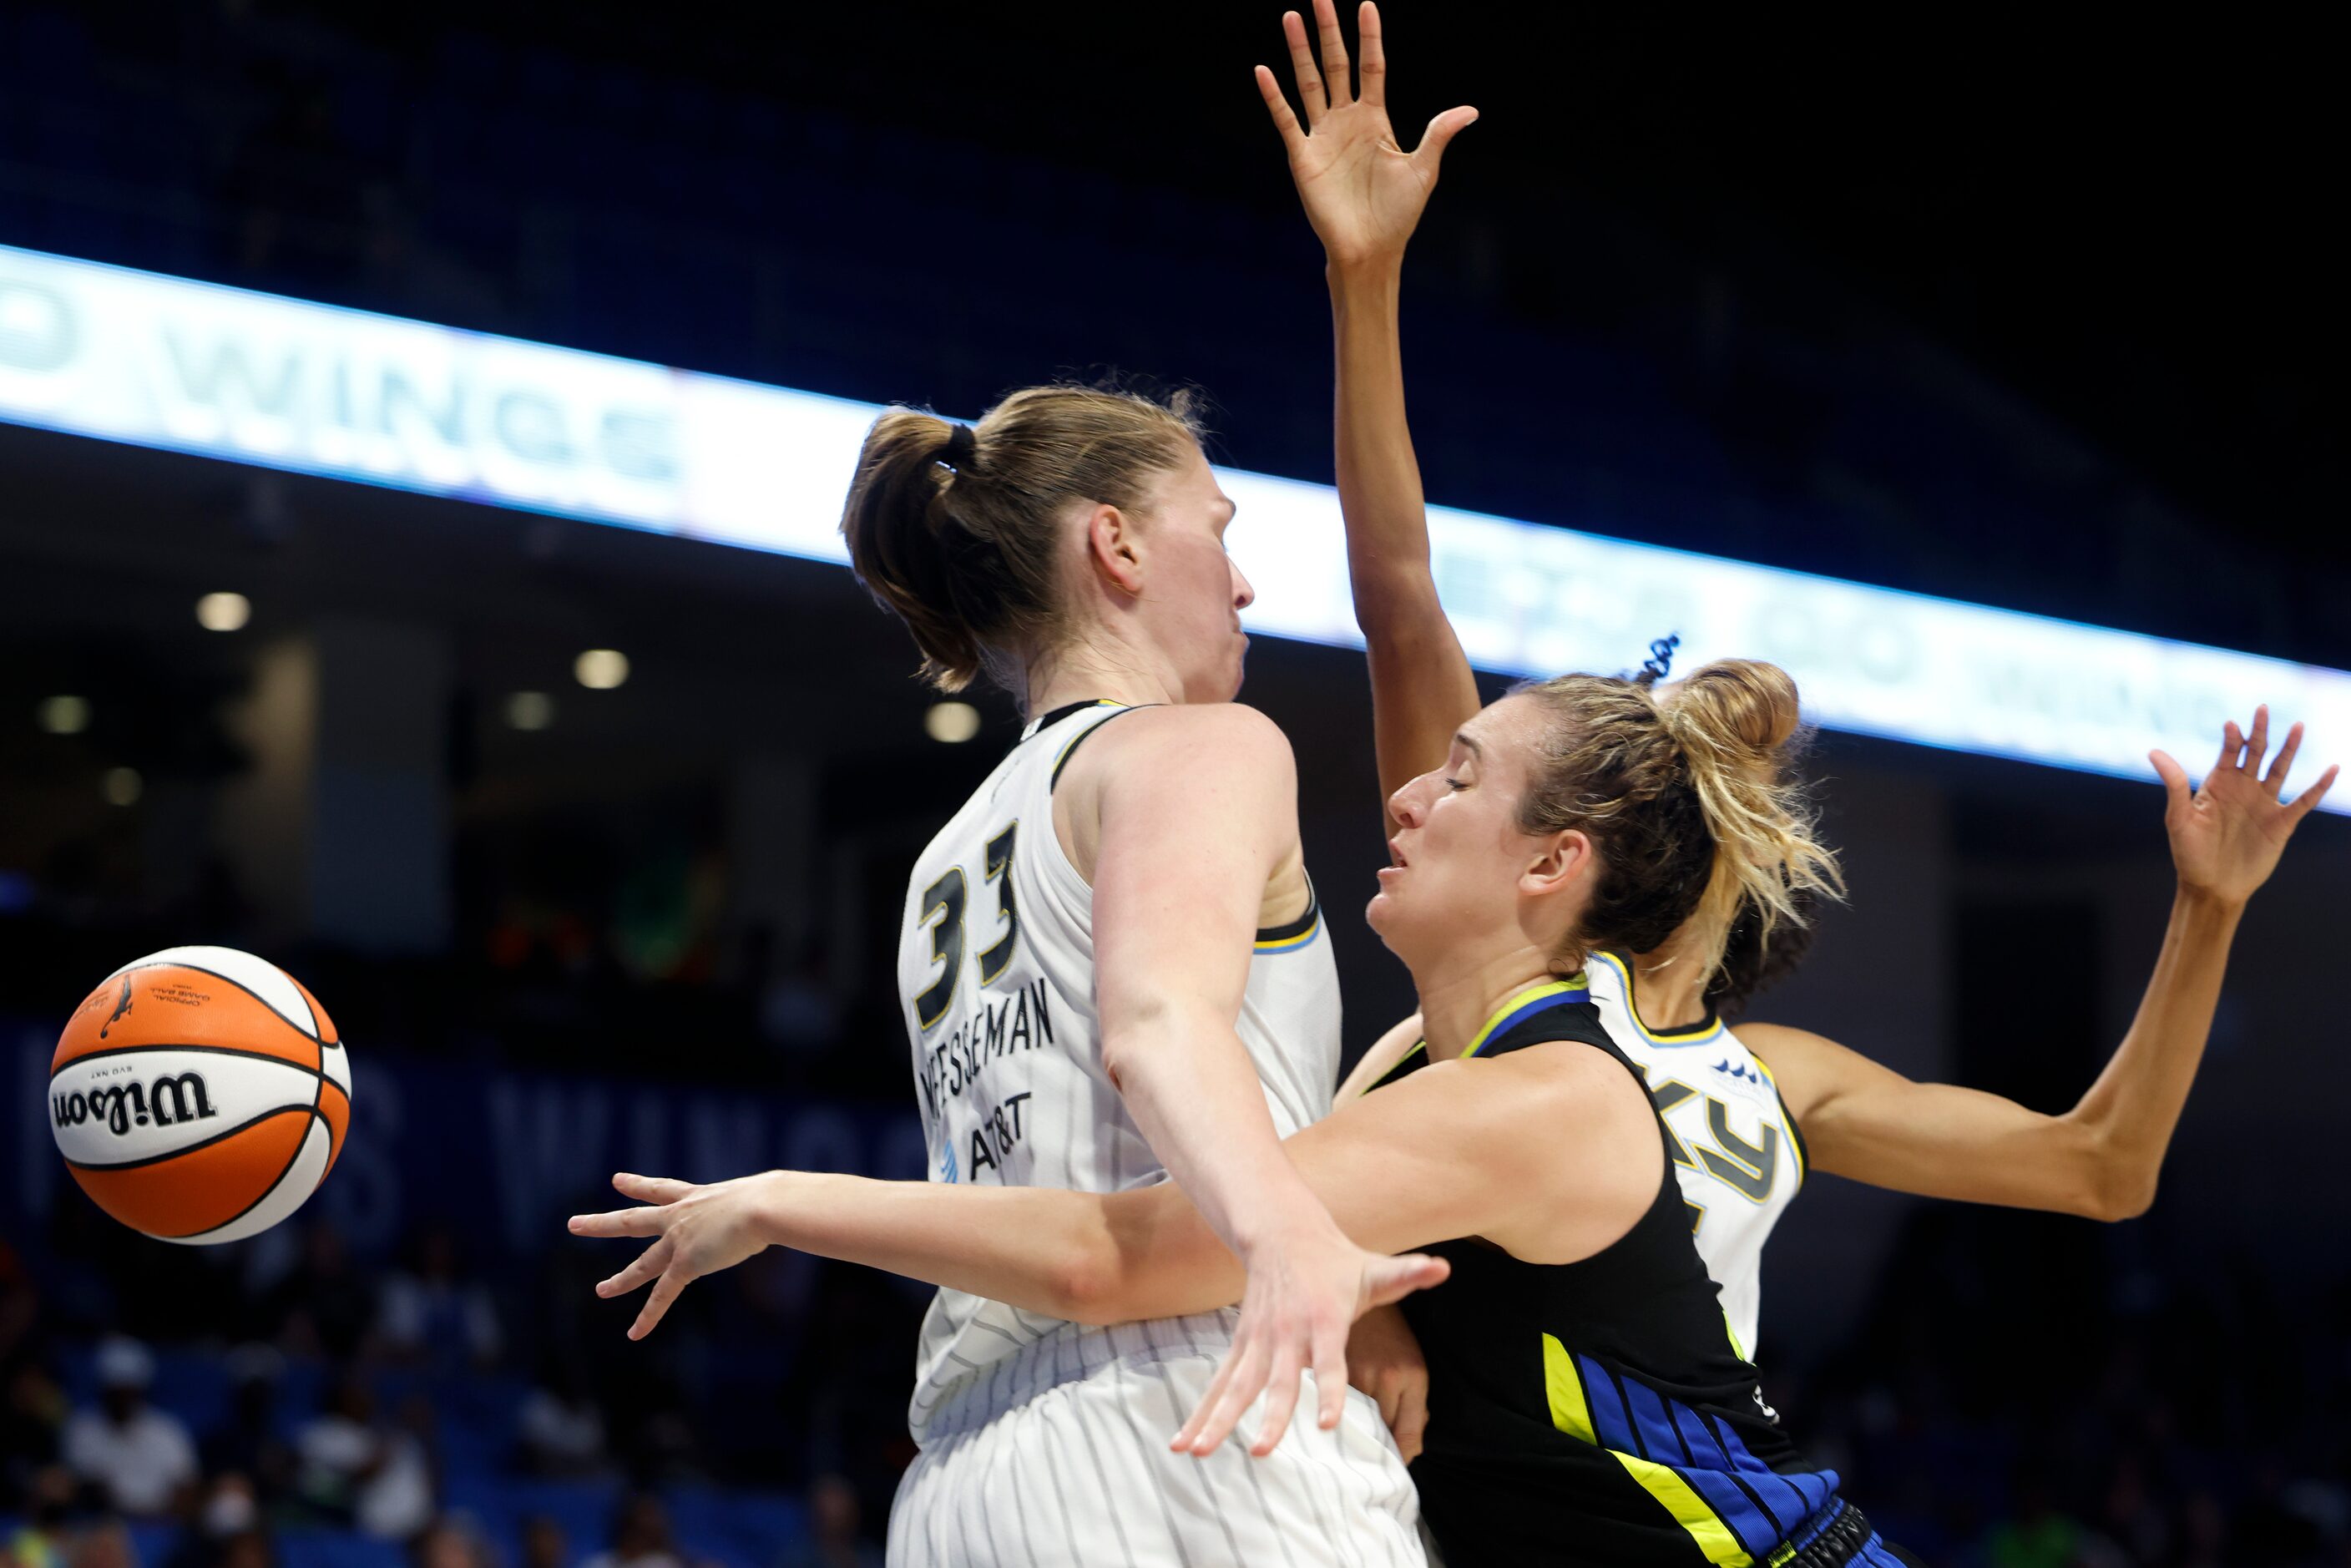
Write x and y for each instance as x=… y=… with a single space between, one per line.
x=996 y=1019
x=995 y=973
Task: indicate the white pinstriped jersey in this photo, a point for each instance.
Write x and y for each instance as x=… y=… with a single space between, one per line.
x=995 y=975
x=1735 y=1146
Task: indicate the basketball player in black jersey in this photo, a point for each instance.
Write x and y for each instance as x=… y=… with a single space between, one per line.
x=1839 y=1111
x=1587 y=1405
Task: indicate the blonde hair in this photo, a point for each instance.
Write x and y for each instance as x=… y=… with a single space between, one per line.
x=968 y=556
x=1608 y=765
x=1685 y=794
x=1737 y=723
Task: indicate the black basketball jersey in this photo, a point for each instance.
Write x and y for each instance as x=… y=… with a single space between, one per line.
x=1596 y=1412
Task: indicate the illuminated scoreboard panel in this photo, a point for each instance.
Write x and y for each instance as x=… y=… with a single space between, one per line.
x=162 y=362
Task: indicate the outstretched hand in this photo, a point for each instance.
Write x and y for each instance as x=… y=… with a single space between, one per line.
x=2227 y=833
x=1302 y=1297
x=1363 y=192
x=695 y=1231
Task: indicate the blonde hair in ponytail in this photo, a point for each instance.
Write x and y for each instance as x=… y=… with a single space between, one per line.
x=1737 y=721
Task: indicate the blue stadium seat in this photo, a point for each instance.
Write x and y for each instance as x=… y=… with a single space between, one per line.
x=194 y=1385
x=498 y=1505
x=336 y=1549
x=738 y=1529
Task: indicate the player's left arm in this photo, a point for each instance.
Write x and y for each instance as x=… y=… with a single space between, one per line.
x=1545 y=1151
x=2102 y=1157
x=1364 y=194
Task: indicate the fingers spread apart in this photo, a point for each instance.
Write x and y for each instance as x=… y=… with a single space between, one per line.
x=1338 y=75
x=1311 y=93
x=674 y=1280
x=1242 y=1374
x=1372 y=69
x=2275 y=779
x=649 y=1263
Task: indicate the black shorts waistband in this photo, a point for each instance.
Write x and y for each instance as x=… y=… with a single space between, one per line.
x=1844 y=1536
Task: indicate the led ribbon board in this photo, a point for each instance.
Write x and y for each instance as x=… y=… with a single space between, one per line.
x=162 y=361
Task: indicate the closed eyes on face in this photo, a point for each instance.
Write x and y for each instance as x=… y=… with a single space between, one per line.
x=1461 y=766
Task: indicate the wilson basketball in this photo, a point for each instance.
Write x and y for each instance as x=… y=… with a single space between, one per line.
x=199 y=1094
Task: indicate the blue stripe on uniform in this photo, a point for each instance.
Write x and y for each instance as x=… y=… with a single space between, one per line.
x=1658 y=1440
x=1653 y=1420
x=1698 y=1438
x=1609 y=1422
x=1735 y=1508
x=1813 y=1488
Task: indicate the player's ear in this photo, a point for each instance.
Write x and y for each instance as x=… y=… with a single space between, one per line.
x=1561 y=861
x=1114 y=547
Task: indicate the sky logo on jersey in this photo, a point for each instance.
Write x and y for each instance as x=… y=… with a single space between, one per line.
x=1742 y=1074
x=947 y=1162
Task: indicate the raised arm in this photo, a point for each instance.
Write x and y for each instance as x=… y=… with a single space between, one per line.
x=1551 y=1152
x=1364 y=194
x=2101 y=1158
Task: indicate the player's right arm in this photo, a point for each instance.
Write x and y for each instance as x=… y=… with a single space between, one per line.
x=2100 y=1159
x=1364 y=195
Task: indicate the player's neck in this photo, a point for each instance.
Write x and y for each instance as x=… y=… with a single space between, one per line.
x=1458 y=997
x=1668 y=986
x=1088 y=673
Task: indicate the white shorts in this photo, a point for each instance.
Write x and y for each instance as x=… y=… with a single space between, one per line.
x=1079 y=1475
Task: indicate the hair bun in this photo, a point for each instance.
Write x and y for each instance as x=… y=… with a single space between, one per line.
x=1742 y=702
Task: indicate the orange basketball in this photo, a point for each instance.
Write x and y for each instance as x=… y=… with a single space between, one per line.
x=199 y=1094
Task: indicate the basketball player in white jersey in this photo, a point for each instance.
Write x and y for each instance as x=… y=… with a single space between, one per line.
x=1113 y=971
x=1747 y=1112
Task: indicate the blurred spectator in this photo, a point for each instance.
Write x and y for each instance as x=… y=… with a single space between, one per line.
x=2205 y=1532
x=2270 y=1529
x=354 y=1470
x=19 y=1303
x=543 y=1544
x=230 y=1507
x=562 y=1431
x=430 y=1314
x=403 y=1498
x=247 y=1444
x=32 y=1425
x=105 y=1544
x=227 y=1527
x=321 y=1307
x=2135 y=1518
x=40 y=1540
x=641 y=1537
x=445 y=1543
x=139 y=1459
x=2038 y=1536
x=834 y=1539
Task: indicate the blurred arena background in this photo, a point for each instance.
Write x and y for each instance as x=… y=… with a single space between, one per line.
x=2033 y=315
